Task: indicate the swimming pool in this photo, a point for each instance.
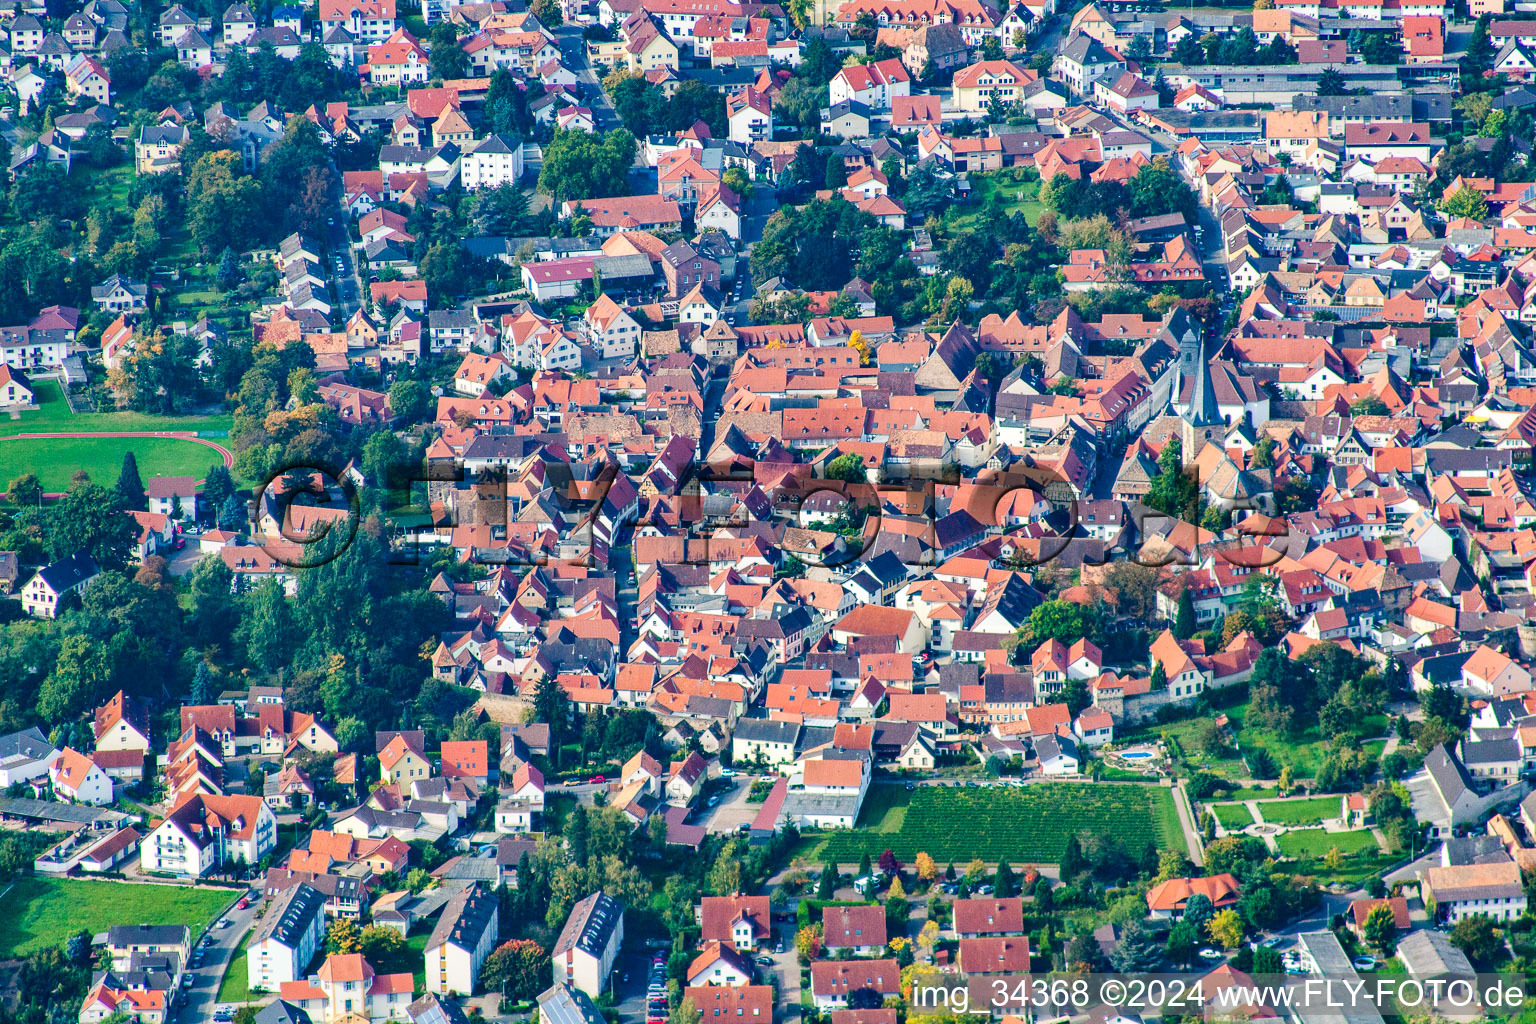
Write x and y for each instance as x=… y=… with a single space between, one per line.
x=1137 y=755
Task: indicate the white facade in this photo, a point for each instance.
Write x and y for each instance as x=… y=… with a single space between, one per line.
x=490 y=163
x=283 y=952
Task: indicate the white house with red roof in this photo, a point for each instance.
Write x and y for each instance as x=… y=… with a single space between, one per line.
x=79 y=780
x=347 y=985
x=366 y=21
x=522 y=797
x=875 y=84
x=1126 y=94
x=750 y=116
x=147 y=1006
x=204 y=831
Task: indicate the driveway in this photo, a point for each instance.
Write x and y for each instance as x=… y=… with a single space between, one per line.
x=733 y=811
x=198 y=1002
x=785 y=973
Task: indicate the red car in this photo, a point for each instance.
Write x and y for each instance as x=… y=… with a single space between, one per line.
x=596 y=779
x=242 y=904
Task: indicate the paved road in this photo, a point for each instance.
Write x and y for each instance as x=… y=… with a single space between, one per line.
x=574 y=47
x=198 y=1002
x=343 y=270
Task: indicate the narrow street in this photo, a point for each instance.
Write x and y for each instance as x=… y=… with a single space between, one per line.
x=199 y=1002
x=574 y=47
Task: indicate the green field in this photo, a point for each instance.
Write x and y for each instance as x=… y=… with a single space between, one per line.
x=56 y=459
x=1311 y=811
x=52 y=415
x=1233 y=816
x=1308 y=843
x=1031 y=824
x=44 y=911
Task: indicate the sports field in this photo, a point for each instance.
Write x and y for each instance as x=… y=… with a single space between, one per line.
x=56 y=459
x=1027 y=824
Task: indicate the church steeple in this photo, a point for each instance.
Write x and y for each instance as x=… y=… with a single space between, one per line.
x=1202 y=410
x=1201 y=422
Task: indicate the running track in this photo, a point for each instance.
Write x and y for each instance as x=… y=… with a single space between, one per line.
x=179 y=435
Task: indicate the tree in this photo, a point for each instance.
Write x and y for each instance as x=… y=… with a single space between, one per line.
x=687 y=1012
x=826 y=886
x=408 y=400
x=1060 y=620
x=848 y=467
x=808 y=943
x=343 y=936
x=1138 y=952
x=233 y=515
x=1002 y=881
x=1183 y=943
x=90 y=518
x=1331 y=83
x=267 y=627
x=1465 y=202
x=1074 y=694
x=1184 y=618
x=581 y=165
x=1198 y=911
x=1475 y=936
x=1226 y=929
x=226 y=208
x=218 y=485
x=1267 y=961
x=130 y=488
x=1380 y=928
x=78 y=682
x=380 y=945
x=519 y=969
x=26 y=490
x=576 y=835
x=205 y=689
x=1073 y=863
x=836 y=174
x=447 y=271
x=927 y=870
x=888 y=862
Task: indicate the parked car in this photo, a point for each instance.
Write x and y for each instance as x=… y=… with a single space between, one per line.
x=598 y=779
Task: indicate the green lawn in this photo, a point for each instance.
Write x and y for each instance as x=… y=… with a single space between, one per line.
x=53 y=416
x=1310 y=843
x=109 y=187
x=1004 y=190
x=1309 y=811
x=1031 y=824
x=56 y=459
x=416 y=956
x=1306 y=751
x=236 y=986
x=44 y=911
x=1233 y=816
